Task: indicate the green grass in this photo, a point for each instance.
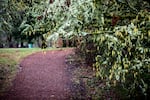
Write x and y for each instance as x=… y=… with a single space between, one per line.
x=12 y=56
x=9 y=61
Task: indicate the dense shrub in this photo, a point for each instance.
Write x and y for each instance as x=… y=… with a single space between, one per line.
x=123 y=56
x=119 y=47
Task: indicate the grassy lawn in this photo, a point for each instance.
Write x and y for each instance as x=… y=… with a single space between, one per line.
x=9 y=63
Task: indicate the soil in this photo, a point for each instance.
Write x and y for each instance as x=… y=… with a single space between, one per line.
x=42 y=76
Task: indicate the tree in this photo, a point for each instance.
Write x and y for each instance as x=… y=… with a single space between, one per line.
x=69 y=17
x=117 y=29
x=121 y=45
x=12 y=10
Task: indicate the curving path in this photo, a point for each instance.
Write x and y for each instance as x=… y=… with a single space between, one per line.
x=43 y=76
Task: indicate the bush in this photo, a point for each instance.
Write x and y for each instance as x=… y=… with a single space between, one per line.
x=123 y=56
x=118 y=44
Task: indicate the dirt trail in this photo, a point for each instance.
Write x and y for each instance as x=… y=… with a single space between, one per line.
x=43 y=76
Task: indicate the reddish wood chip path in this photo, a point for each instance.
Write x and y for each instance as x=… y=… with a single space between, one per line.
x=42 y=77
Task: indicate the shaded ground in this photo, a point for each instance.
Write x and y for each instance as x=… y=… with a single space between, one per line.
x=42 y=76
x=84 y=84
